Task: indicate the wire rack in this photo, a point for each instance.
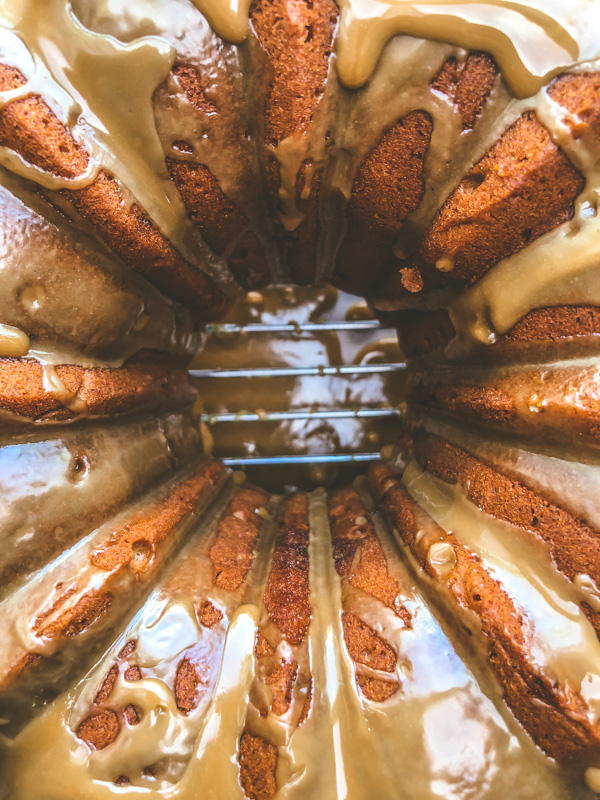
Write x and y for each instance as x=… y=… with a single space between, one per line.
x=216 y=382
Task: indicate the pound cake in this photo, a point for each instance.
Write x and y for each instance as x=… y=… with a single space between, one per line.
x=169 y=629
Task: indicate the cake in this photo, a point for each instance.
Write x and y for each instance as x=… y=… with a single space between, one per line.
x=170 y=629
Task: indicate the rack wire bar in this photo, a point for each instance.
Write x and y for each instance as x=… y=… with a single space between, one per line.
x=297 y=327
x=296 y=372
x=322 y=458
x=370 y=329
x=282 y=416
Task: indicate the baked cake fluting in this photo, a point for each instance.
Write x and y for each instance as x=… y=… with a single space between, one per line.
x=169 y=630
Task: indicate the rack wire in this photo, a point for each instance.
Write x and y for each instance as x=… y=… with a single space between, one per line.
x=347 y=371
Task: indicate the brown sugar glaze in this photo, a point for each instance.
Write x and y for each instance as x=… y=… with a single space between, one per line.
x=167 y=626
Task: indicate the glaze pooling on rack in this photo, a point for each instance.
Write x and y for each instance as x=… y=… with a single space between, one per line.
x=268 y=382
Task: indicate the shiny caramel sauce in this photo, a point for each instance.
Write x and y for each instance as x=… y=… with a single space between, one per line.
x=440 y=735
x=114 y=117
x=531 y=41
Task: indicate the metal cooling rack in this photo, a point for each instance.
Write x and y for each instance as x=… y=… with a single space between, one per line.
x=283 y=415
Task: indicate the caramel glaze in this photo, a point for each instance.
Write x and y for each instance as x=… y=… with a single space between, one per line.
x=35 y=392
x=223 y=219
x=473 y=229
x=316 y=683
x=205 y=120
x=225 y=560
x=268 y=648
x=302 y=140
x=486 y=197
x=538 y=335
x=71 y=607
x=81 y=304
x=324 y=193
x=283 y=684
x=556 y=718
x=389 y=184
x=504 y=497
x=29 y=127
x=533 y=402
x=57 y=489
x=360 y=560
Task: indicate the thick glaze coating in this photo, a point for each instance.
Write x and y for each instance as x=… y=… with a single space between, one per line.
x=167 y=627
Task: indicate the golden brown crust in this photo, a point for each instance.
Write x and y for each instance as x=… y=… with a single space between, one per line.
x=286 y=601
x=352 y=534
x=232 y=553
x=579 y=93
x=263 y=649
x=376 y=689
x=387 y=187
x=96 y=392
x=297 y=38
x=196 y=671
x=188 y=78
x=131 y=234
x=365 y=646
x=575 y=328
x=372 y=233
x=360 y=560
x=224 y=226
x=573 y=545
x=76 y=619
x=130 y=555
x=306 y=708
x=532 y=402
x=108 y=684
x=209 y=615
x=29 y=127
x=286 y=596
x=281 y=678
x=135 y=544
x=100 y=729
x=467 y=84
x=522 y=188
x=258 y=764
x=556 y=720
x=554 y=324
x=186 y=686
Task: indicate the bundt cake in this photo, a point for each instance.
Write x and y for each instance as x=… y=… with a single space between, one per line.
x=171 y=630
